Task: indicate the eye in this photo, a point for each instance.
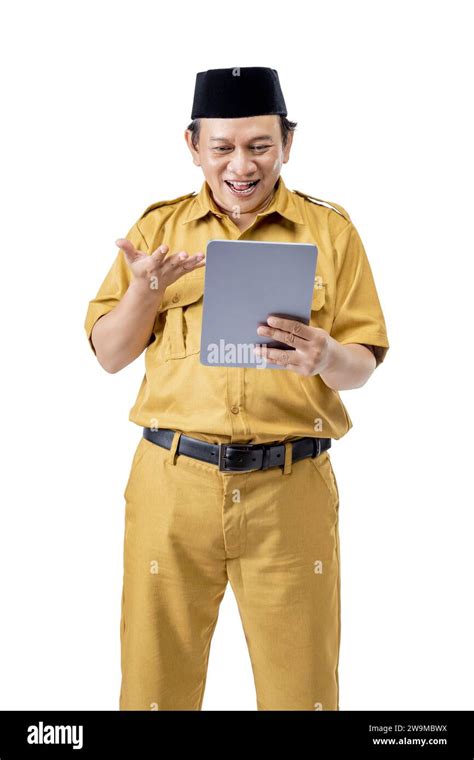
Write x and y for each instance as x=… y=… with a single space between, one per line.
x=256 y=148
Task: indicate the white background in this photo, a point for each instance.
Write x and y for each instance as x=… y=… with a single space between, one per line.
x=96 y=97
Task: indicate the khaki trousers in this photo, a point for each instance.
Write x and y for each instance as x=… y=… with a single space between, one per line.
x=189 y=529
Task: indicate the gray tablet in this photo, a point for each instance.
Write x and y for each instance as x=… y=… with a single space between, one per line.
x=245 y=282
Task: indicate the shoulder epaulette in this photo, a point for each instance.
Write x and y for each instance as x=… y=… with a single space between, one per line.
x=166 y=203
x=335 y=206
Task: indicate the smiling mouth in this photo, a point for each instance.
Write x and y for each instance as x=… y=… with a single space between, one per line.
x=242 y=188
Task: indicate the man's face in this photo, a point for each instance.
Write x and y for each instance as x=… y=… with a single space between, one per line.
x=246 y=150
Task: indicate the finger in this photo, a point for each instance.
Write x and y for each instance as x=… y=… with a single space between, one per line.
x=284 y=337
x=175 y=262
x=193 y=262
x=278 y=356
x=291 y=326
x=284 y=360
x=129 y=249
x=159 y=253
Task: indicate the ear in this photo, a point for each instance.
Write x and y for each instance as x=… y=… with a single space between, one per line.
x=287 y=149
x=192 y=149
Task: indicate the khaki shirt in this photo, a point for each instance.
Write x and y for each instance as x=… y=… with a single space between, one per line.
x=233 y=404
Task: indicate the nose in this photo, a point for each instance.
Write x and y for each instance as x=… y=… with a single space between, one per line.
x=241 y=165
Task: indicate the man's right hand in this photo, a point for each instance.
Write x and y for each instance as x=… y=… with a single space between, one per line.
x=157 y=270
x=120 y=335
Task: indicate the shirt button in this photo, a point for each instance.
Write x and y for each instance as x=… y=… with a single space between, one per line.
x=175 y=299
x=234 y=409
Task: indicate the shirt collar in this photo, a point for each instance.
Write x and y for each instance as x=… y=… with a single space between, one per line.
x=283 y=202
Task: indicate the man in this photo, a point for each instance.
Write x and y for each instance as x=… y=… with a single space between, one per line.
x=232 y=478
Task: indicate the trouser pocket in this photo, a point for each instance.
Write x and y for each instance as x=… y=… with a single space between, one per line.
x=137 y=457
x=323 y=466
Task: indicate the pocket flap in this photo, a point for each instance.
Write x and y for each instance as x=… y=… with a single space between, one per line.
x=188 y=289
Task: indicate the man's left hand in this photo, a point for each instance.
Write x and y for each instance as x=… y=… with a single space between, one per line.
x=312 y=354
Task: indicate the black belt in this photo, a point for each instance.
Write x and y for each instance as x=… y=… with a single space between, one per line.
x=238 y=457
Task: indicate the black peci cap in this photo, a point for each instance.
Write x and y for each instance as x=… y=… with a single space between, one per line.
x=237 y=92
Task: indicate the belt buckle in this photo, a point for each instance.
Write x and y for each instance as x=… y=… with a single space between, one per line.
x=222 y=457
x=316 y=447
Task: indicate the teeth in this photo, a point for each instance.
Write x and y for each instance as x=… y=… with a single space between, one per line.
x=242 y=187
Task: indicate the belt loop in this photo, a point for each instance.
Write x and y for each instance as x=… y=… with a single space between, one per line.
x=174 y=447
x=288 y=458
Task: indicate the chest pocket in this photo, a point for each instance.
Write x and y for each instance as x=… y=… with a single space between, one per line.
x=181 y=310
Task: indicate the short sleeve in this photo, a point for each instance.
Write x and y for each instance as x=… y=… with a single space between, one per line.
x=358 y=313
x=114 y=285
